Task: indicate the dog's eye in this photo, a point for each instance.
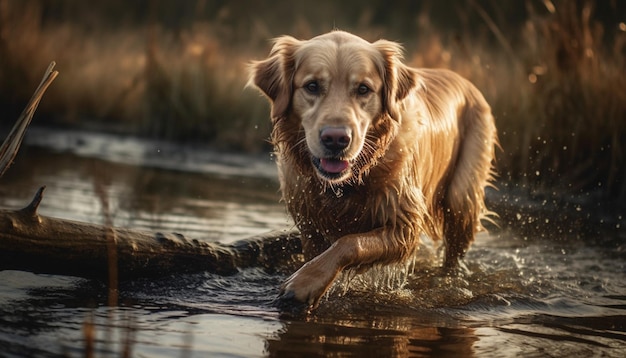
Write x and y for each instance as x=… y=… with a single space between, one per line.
x=363 y=90
x=312 y=87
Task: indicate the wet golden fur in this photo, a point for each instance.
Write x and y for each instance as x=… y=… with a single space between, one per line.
x=420 y=154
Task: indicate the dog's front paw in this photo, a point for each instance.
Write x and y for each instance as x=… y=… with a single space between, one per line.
x=309 y=283
x=290 y=307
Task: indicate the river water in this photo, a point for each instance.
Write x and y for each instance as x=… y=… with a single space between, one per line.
x=562 y=294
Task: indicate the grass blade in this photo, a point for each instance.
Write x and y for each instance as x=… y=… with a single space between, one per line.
x=11 y=144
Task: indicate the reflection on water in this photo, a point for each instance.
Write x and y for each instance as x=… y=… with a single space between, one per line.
x=524 y=296
x=198 y=204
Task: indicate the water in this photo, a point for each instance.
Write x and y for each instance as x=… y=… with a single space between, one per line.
x=562 y=294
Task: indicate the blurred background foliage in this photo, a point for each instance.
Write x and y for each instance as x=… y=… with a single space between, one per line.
x=554 y=71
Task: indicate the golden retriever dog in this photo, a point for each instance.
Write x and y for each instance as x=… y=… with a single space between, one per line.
x=371 y=154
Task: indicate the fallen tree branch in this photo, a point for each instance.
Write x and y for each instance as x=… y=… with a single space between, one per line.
x=31 y=242
x=40 y=244
x=11 y=145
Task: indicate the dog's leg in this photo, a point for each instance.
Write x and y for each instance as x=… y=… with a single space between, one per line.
x=464 y=200
x=459 y=233
x=312 y=280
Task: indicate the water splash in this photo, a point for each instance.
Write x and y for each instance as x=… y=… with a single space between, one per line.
x=391 y=280
x=422 y=283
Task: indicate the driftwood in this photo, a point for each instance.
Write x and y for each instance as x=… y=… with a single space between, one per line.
x=31 y=242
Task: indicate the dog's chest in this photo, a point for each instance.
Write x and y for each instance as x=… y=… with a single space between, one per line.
x=331 y=213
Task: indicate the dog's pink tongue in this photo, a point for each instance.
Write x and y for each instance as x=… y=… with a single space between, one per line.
x=334 y=165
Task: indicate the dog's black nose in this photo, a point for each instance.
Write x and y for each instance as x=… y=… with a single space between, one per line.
x=335 y=138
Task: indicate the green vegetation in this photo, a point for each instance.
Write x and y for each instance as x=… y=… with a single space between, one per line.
x=554 y=71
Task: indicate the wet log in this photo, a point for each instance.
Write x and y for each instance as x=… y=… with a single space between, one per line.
x=40 y=244
x=32 y=242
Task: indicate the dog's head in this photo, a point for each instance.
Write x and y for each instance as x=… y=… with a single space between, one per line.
x=336 y=94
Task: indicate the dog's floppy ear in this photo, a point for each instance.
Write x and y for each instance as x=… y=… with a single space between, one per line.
x=398 y=79
x=274 y=75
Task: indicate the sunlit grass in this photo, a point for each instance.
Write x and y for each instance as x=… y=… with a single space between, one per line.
x=145 y=81
x=571 y=117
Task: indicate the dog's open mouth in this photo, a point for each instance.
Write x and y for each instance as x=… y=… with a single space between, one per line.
x=331 y=168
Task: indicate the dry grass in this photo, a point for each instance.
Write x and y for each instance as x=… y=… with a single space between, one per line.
x=557 y=89
x=556 y=82
x=570 y=115
x=146 y=81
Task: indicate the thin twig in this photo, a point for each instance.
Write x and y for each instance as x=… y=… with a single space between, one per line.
x=31 y=209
